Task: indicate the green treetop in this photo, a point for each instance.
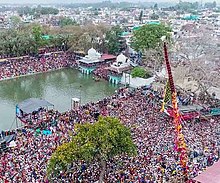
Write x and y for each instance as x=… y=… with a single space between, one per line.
x=112 y=39
x=149 y=36
x=65 y=21
x=37 y=34
x=139 y=72
x=98 y=142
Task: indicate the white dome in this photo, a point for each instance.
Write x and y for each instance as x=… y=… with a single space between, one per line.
x=92 y=52
x=121 y=58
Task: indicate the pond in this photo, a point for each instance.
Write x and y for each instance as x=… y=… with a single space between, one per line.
x=57 y=87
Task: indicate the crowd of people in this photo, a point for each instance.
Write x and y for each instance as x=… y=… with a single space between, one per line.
x=43 y=118
x=15 y=67
x=152 y=132
x=101 y=71
x=139 y=109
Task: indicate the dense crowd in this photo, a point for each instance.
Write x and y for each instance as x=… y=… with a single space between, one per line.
x=101 y=71
x=20 y=66
x=152 y=132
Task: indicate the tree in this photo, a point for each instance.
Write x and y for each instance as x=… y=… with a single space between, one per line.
x=187 y=6
x=196 y=43
x=98 y=142
x=156 y=6
x=16 y=42
x=149 y=36
x=15 y=21
x=29 y=38
x=38 y=10
x=153 y=59
x=214 y=4
x=210 y=5
x=139 y=72
x=49 y=10
x=197 y=53
x=65 y=21
x=147 y=39
x=82 y=38
x=112 y=40
x=37 y=34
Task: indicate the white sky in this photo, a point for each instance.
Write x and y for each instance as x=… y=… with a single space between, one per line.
x=80 y=1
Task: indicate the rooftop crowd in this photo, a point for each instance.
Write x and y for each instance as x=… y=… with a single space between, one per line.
x=152 y=132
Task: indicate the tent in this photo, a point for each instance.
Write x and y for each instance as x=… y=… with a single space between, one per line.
x=33 y=104
x=211 y=175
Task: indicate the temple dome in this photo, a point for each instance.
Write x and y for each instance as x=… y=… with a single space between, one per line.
x=121 y=58
x=121 y=61
x=92 y=52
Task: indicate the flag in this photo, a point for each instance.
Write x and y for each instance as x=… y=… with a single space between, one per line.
x=167 y=95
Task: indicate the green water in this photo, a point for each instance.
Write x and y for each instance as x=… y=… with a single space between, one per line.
x=57 y=87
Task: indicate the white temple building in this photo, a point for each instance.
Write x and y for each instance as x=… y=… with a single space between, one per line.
x=88 y=63
x=93 y=59
x=116 y=70
x=121 y=62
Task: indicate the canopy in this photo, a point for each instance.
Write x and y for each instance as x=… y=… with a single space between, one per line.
x=211 y=175
x=33 y=104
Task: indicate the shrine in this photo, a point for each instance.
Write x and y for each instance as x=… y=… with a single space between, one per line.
x=115 y=71
x=92 y=60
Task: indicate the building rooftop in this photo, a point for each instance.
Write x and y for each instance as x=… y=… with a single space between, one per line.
x=119 y=69
x=108 y=57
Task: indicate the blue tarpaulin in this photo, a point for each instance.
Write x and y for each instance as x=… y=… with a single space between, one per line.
x=46 y=132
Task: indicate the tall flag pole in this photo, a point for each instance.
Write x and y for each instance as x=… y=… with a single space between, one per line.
x=180 y=144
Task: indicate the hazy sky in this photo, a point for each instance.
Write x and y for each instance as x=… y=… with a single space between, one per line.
x=80 y=1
